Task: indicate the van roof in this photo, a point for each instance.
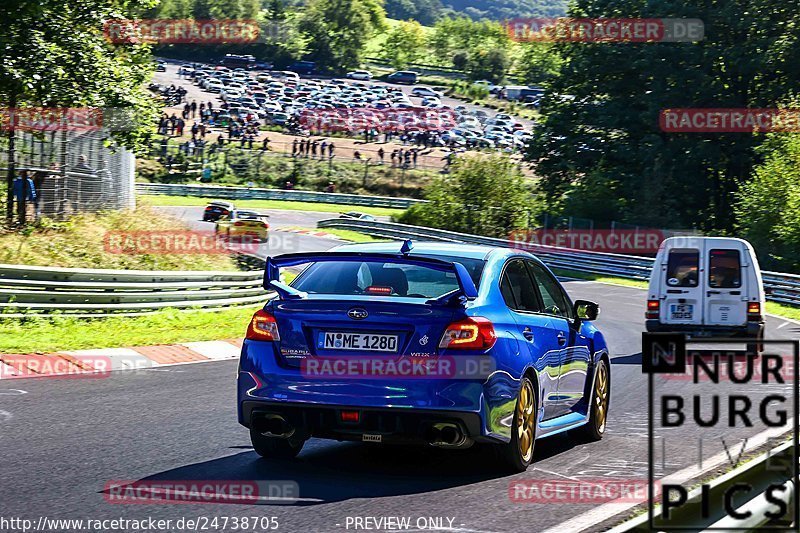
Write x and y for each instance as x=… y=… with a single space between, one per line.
x=696 y=241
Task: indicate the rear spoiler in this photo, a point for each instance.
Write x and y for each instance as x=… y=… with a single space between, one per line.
x=272 y=280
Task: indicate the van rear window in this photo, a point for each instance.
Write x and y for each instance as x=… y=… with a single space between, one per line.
x=724 y=269
x=682 y=268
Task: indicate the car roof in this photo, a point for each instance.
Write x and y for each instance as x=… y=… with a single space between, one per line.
x=470 y=251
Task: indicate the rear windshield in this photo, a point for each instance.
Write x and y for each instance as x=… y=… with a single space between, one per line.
x=724 y=269
x=682 y=268
x=382 y=279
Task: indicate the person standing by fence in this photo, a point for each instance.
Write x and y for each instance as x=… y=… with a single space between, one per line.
x=24 y=192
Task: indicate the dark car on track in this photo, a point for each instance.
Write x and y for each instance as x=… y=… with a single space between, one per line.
x=216 y=210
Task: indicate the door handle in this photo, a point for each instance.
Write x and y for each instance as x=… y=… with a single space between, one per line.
x=562 y=339
x=527 y=333
x=709 y=293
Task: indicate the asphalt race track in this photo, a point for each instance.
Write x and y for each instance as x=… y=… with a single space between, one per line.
x=63 y=440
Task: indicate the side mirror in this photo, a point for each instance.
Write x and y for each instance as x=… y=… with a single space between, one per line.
x=586 y=310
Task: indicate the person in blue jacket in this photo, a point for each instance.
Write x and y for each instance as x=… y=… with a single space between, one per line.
x=24 y=192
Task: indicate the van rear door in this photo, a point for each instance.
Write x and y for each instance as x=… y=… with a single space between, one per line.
x=682 y=287
x=725 y=279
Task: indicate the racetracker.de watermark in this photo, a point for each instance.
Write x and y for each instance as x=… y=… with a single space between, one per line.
x=201 y=491
x=579 y=491
x=372 y=367
x=605 y=30
x=642 y=241
x=51 y=118
x=382 y=120
x=182 y=31
x=729 y=120
x=59 y=366
x=178 y=242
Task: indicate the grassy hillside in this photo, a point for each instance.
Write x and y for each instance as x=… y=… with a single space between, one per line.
x=80 y=242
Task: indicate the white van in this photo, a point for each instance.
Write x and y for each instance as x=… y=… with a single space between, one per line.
x=706 y=286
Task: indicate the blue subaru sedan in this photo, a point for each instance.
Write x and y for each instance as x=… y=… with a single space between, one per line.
x=444 y=345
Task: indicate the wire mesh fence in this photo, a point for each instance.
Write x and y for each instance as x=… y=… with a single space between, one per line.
x=60 y=173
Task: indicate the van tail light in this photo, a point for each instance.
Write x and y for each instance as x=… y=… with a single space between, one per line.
x=474 y=333
x=653 y=308
x=754 y=312
x=263 y=327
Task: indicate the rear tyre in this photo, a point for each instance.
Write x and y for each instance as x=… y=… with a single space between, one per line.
x=758 y=346
x=518 y=454
x=275 y=448
x=595 y=428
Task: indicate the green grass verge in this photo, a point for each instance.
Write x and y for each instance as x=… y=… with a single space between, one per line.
x=599 y=278
x=350 y=235
x=81 y=242
x=785 y=311
x=182 y=201
x=170 y=326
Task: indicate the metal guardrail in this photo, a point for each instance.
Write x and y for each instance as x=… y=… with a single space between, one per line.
x=245 y=193
x=30 y=290
x=780 y=287
x=757 y=476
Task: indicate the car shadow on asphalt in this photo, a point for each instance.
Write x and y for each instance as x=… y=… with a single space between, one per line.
x=329 y=472
x=632 y=359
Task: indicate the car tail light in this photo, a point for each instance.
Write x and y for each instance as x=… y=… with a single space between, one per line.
x=474 y=333
x=754 y=311
x=653 y=308
x=350 y=416
x=263 y=327
x=379 y=290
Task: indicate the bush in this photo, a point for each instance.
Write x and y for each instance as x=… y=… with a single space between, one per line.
x=482 y=195
x=768 y=207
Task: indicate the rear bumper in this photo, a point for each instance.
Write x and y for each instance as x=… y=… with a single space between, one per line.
x=400 y=409
x=751 y=329
x=388 y=425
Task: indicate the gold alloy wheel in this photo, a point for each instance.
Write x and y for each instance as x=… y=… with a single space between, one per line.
x=601 y=398
x=526 y=420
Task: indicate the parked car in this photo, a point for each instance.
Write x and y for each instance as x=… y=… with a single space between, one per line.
x=533 y=364
x=423 y=92
x=403 y=76
x=216 y=209
x=303 y=67
x=358 y=216
x=360 y=75
x=707 y=286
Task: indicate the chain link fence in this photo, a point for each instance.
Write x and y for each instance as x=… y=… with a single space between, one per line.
x=71 y=172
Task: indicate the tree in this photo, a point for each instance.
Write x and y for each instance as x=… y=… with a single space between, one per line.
x=404 y=44
x=276 y=10
x=490 y=64
x=540 y=63
x=768 y=207
x=487 y=196
x=426 y=12
x=453 y=35
x=338 y=31
x=600 y=129
x=55 y=55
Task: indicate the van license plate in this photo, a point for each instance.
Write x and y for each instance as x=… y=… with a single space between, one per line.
x=681 y=311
